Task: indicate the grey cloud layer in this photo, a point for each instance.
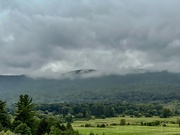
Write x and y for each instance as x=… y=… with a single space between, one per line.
x=45 y=37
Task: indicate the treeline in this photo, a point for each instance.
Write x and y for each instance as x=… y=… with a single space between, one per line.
x=26 y=121
x=103 y=110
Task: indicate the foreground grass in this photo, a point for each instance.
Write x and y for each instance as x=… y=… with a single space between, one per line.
x=133 y=129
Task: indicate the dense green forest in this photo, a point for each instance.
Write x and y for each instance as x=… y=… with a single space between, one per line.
x=104 y=110
x=26 y=121
x=27 y=118
x=146 y=87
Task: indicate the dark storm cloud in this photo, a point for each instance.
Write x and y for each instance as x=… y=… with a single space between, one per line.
x=46 y=37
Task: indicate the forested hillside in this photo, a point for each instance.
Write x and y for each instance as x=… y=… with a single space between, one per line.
x=150 y=86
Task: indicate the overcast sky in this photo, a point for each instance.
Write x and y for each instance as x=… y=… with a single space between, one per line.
x=43 y=37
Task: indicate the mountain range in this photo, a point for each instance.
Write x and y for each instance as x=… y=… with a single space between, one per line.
x=76 y=86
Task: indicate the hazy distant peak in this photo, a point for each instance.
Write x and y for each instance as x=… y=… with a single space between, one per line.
x=82 y=71
x=79 y=73
x=12 y=75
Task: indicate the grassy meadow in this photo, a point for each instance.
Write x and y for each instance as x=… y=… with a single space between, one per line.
x=113 y=126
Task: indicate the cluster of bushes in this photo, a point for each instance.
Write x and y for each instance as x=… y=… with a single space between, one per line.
x=88 y=125
x=123 y=123
x=98 y=125
x=154 y=123
x=96 y=134
x=101 y=125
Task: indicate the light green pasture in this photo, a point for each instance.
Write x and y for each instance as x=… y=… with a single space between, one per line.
x=133 y=129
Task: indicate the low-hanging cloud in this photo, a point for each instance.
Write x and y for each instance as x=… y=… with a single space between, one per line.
x=51 y=37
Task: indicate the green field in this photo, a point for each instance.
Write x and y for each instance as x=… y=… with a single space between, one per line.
x=133 y=129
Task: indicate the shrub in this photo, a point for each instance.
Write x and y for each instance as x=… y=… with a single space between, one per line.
x=103 y=117
x=156 y=123
x=91 y=133
x=93 y=117
x=101 y=126
x=88 y=125
x=149 y=124
x=122 y=122
x=79 y=115
x=113 y=124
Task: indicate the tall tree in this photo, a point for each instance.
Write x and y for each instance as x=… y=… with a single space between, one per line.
x=4 y=119
x=25 y=111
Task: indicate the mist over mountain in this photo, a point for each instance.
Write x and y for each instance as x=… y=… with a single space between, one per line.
x=110 y=43
x=135 y=87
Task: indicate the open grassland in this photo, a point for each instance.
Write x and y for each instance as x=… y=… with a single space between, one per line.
x=134 y=127
x=130 y=130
